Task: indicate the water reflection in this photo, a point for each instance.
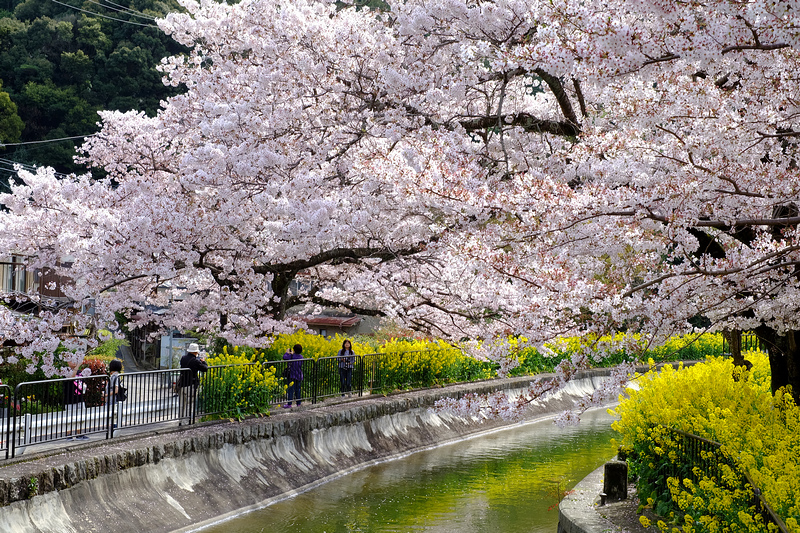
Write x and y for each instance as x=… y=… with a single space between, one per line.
x=507 y=481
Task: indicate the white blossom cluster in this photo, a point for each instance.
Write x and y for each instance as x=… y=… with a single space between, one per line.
x=472 y=169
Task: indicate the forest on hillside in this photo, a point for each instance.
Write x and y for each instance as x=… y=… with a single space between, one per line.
x=62 y=61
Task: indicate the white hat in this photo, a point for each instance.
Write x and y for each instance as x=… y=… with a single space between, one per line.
x=193 y=348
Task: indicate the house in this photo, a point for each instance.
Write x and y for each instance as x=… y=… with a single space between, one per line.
x=29 y=292
x=15 y=278
x=329 y=326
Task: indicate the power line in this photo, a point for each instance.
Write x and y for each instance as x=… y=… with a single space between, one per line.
x=123 y=9
x=12 y=162
x=104 y=16
x=24 y=166
x=3 y=145
x=9 y=165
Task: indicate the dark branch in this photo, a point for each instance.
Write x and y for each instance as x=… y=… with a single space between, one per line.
x=525 y=121
x=353 y=308
x=668 y=57
x=739 y=47
x=561 y=97
x=339 y=254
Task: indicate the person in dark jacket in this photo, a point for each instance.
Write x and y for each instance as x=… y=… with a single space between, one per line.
x=111 y=393
x=347 y=361
x=189 y=381
x=295 y=374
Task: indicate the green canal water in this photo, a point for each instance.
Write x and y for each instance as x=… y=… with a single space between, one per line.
x=508 y=481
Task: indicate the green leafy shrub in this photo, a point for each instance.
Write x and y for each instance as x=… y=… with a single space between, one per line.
x=107 y=350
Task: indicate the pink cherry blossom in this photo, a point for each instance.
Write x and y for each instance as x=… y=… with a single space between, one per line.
x=471 y=169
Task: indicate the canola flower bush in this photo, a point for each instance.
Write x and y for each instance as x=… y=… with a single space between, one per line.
x=393 y=365
x=406 y=363
x=237 y=384
x=314 y=346
x=759 y=433
x=611 y=350
x=388 y=364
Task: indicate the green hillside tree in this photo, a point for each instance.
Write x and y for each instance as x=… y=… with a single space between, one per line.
x=10 y=123
x=61 y=64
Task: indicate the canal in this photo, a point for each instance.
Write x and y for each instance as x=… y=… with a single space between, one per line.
x=510 y=480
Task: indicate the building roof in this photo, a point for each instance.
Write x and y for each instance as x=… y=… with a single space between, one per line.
x=333 y=321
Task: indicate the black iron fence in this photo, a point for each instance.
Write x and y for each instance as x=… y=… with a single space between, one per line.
x=45 y=411
x=749 y=342
x=5 y=408
x=709 y=458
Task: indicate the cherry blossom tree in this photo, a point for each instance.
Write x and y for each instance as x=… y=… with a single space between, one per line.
x=471 y=168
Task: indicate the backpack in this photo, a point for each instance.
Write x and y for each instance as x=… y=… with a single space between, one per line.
x=122 y=392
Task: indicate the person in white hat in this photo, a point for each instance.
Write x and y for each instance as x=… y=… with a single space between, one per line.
x=189 y=381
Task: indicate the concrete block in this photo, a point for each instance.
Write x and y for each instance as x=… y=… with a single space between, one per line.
x=18 y=489
x=58 y=478
x=615 y=480
x=46 y=482
x=70 y=475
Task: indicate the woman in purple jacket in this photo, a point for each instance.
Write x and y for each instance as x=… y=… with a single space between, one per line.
x=295 y=374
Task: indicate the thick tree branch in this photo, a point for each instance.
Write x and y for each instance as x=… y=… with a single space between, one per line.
x=525 y=121
x=335 y=254
x=739 y=47
x=561 y=97
x=353 y=308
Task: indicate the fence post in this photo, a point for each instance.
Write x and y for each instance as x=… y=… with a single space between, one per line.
x=314 y=374
x=193 y=401
x=360 y=374
x=12 y=423
x=5 y=390
x=111 y=409
x=25 y=428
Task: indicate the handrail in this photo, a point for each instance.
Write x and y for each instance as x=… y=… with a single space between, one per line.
x=766 y=511
x=47 y=414
x=5 y=432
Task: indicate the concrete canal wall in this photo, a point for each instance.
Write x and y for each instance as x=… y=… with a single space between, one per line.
x=177 y=480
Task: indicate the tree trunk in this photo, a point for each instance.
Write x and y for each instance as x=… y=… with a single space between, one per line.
x=734 y=339
x=784 y=358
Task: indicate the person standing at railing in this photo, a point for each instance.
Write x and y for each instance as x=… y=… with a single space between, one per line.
x=347 y=361
x=189 y=381
x=112 y=388
x=74 y=401
x=295 y=374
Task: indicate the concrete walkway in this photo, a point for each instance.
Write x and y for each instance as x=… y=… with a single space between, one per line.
x=581 y=512
x=125 y=354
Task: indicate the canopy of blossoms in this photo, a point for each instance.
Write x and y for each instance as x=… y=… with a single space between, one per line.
x=470 y=168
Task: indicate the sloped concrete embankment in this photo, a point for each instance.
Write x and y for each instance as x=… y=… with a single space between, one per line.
x=176 y=481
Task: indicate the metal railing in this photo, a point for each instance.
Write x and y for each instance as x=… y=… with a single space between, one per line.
x=45 y=411
x=749 y=342
x=153 y=397
x=708 y=456
x=5 y=407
